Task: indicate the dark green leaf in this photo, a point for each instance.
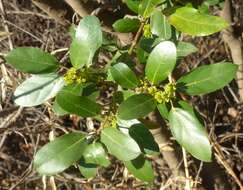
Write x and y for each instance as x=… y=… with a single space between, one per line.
x=160 y=26
x=146 y=7
x=126 y=25
x=79 y=105
x=136 y=106
x=86 y=169
x=190 y=134
x=120 y=145
x=184 y=49
x=38 y=89
x=208 y=78
x=161 y=62
x=141 y=169
x=59 y=154
x=95 y=154
x=144 y=138
x=32 y=60
x=190 y=21
x=163 y=110
x=87 y=41
x=124 y=76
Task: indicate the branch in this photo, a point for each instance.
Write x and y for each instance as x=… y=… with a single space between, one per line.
x=235 y=45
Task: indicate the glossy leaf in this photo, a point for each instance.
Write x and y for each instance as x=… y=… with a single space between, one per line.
x=86 y=169
x=75 y=104
x=126 y=25
x=88 y=39
x=190 y=134
x=59 y=154
x=141 y=169
x=32 y=60
x=38 y=89
x=124 y=76
x=160 y=26
x=161 y=62
x=208 y=78
x=95 y=154
x=136 y=106
x=190 y=21
x=146 y=7
x=144 y=138
x=133 y=5
x=120 y=145
x=184 y=49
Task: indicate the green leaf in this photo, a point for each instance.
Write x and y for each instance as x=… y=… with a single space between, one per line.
x=124 y=76
x=160 y=26
x=163 y=110
x=95 y=154
x=86 y=169
x=58 y=110
x=136 y=106
x=59 y=154
x=190 y=21
x=144 y=138
x=190 y=134
x=208 y=78
x=141 y=169
x=184 y=49
x=38 y=89
x=133 y=5
x=75 y=104
x=126 y=25
x=120 y=145
x=88 y=39
x=161 y=62
x=146 y=7
x=32 y=60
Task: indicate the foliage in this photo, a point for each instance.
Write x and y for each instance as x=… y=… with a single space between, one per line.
x=122 y=132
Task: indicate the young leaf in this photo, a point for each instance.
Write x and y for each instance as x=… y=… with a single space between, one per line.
x=184 y=49
x=95 y=154
x=161 y=62
x=144 y=138
x=126 y=25
x=87 y=41
x=190 y=134
x=133 y=5
x=38 y=89
x=141 y=169
x=124 y=76
x=146 y=7
x=120 y=145
x=59 y=154
x=190 y=21
x=160 y=26
x=136 y=106
x=86 y=169
x=32 y=60
x=208 y=78
x=75 y=104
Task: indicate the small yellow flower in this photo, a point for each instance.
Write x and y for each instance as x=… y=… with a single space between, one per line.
x=147 y=31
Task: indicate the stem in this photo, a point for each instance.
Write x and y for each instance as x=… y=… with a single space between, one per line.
x=135 y=41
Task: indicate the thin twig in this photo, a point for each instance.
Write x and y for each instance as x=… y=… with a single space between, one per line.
x=188 y=186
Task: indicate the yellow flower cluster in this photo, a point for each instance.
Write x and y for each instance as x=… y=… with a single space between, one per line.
x=160 y=96
x=74 y=76
x=147 y=31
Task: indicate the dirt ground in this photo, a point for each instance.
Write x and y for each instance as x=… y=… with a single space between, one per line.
x=24 y=130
